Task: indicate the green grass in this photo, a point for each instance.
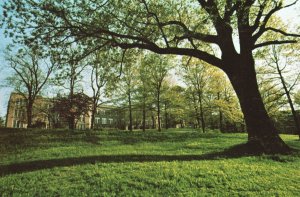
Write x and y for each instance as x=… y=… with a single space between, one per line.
x=119 y=163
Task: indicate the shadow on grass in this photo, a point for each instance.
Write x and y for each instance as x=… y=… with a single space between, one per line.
x=236 y=151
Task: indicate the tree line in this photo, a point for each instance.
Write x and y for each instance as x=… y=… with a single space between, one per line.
x=176 y=91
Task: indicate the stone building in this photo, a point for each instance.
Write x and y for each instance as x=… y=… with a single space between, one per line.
x=16 y=116
x=44 y=116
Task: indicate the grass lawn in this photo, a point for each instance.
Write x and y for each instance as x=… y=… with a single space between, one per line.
x=121 y=163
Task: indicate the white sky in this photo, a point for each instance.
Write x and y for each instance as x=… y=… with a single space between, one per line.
x=290 y=15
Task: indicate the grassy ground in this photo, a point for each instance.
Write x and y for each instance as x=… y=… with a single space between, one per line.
x=169 y=163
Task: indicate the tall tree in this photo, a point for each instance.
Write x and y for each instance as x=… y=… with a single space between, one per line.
x=143 y=89
x=167 y=27
x=158 y=68
x=278 y=62
x=196 y=77
x=102 y=73
x=69 y=76
x=31 y=73
x=127 y=83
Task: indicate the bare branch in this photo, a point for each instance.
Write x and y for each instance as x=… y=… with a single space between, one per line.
x=274 y=42
x=281 y=32
x=262 y=28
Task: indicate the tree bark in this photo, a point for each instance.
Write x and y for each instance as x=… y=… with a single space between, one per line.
x=262 y=135
x=29 y=113
x=94 y=111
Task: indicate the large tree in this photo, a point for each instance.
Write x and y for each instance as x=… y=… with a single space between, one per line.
x=31 y=73
x=167 y=27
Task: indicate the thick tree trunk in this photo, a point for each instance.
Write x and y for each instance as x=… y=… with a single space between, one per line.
x=262 y=135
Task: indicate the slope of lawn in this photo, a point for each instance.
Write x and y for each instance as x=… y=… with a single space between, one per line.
x=151 y=163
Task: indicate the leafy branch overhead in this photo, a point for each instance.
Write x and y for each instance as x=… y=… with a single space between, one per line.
x=181 y=27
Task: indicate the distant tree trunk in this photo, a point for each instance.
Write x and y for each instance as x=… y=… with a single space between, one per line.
x=201 y=111
x=130 y=111
x=29 y=112
x=166 y=116
x=262 y=134
x=71 y=122
x=196 y=110
x=220 y=120
x=71 y=100
x=153 y=121
x=220 y=115
x=93 y=115
x=158 y=110
x=144 y=115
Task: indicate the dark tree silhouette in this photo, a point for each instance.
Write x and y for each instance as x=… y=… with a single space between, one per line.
x=71 y=108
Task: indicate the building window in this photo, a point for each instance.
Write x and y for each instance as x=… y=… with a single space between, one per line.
x=82 y=118
x=81 y=126
x=19 y=113
x=20 y=102
x=16 y=124
x=97 y=120
x=104 y=121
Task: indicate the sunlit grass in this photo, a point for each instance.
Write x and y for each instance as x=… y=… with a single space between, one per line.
x=119 y=163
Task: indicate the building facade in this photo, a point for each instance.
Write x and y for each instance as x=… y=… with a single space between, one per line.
x=16 y=116
x=45 y=117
